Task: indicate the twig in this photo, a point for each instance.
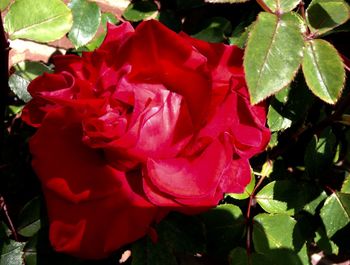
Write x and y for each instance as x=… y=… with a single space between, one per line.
x=3 y=207
x=249 y=217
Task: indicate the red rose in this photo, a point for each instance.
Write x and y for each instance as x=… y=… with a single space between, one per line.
x=152 y=121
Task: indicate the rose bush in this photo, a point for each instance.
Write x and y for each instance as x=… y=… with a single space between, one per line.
x=152 y=121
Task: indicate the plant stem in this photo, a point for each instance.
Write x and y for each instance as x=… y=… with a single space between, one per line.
x=3 y=207
x=250 y=220
x=4 y=77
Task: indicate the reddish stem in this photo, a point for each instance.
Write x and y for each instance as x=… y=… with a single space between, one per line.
x=264 y=6
x=249 y=219
x=346 y=62
x=3 y=207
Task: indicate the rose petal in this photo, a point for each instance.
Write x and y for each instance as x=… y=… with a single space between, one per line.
x=88 y=200
x=236 y=176
x=193 y=177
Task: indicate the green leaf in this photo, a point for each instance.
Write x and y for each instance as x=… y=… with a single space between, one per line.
x=335 y=212
x=214 y=30
x=277 y=237
x=25 y=72
x=323 y=242
x=29 y=217
x=19 y=85
x=225 y=227
x=323 y=70
x=30 y=70
x=319 y=153
x=275 y=120
x=86 y=20
x=273 y=54
x=97 y=41
x=346 y=184
x=4 y=4
x=288 y=197
x=324 y=15
x=273 y=140
x=140 y=10
x=247 y=191
x=240 y=38
x=11 y=253
x=281 y=6
x=38 y=20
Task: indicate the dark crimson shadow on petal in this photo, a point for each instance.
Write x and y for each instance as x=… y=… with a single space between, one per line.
x=88 y=201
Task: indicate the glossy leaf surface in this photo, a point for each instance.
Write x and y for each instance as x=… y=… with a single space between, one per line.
x=273 y=54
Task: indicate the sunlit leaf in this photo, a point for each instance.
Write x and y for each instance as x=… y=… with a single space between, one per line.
x=30 y=69
x=281 y=6
x=19 y=85
x=346 y=184
x=335 y=212
x=38 y=20
x=273 y=54
x=4 y=4
x=277 y=237
x=324 y=15
x=140 y=10
x=289 y=197
x=11 y=252
x=323 y=70
x=86 y=20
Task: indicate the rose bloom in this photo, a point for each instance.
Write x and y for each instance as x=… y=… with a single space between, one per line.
x=151 y=121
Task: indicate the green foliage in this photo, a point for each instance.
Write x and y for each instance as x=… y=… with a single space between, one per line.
x=289 y=197
x=140 y=10
x=273 y=54
x=4 y=4
x=324 y=15
x=86 y=19
x=335 y=213
x=298 y=199
x=281 y=6
x=38 y=20
x=248 y=191
x=323 y=70
x=11 y=252
x=268 y=239
x=25 y=72
x=97 y=41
